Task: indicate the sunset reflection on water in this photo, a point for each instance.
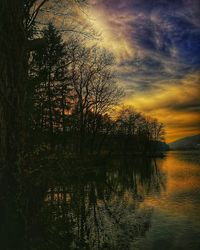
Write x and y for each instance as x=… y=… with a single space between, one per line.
x=176 y=216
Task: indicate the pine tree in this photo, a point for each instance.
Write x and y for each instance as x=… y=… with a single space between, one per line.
x=50 y=88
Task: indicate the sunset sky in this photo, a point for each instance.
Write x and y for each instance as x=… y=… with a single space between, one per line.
x=157 y=49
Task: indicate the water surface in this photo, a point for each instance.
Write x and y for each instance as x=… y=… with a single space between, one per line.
x=129 y=203
x=176 y=209
x=121 y=203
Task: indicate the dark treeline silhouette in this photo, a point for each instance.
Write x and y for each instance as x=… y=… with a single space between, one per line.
x=74 y=88
x=73 y=93
x=61 y=91
x=21 y=22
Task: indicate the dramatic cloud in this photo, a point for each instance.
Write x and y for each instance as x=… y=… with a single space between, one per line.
x=157 y=46
x=176 y=105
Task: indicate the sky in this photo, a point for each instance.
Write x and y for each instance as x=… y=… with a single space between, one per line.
x=157 y=48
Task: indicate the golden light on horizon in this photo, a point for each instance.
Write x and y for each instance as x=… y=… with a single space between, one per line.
x=159 y=84
x=169 y=102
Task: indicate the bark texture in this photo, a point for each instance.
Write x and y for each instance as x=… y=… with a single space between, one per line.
x=13 y=63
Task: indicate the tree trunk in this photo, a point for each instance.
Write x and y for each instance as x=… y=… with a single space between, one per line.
x=13 y=68
x=81 y=128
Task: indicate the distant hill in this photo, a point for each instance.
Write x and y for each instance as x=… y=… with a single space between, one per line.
x=162 y=146
x=190 y=142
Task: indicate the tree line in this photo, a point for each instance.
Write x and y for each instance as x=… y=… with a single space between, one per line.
x=57 y=94
x=57 y=90
x=73 y=93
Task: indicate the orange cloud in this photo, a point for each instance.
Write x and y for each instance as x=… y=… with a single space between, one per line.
x=176 y=105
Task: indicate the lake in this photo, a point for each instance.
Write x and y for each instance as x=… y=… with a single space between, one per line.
x=116 y=203
x=175 y=222
x=129 y=203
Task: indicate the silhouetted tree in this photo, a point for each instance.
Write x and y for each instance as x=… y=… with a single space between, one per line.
x=17 y=39
x=93 y=87
x=16 y=21
x=48 y=71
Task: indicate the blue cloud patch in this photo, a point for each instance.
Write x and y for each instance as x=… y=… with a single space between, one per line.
x=169 y=33
x=165 y=34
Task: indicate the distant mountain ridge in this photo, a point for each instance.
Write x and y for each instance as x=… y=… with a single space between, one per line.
x=189 y=142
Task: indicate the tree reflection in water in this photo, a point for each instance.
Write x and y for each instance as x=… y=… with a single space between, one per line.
x=101 y=210
x=95 y=205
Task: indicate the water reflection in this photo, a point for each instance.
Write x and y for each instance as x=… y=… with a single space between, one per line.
x=100 y=209
x=176 y=218
x=115 y=204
